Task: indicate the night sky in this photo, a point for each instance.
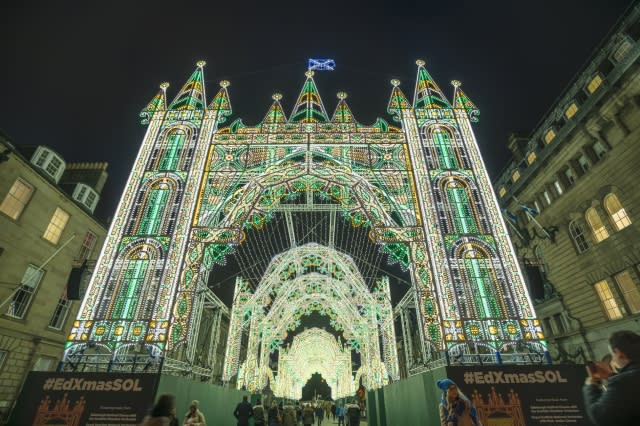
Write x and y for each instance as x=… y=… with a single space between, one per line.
x=74 y=77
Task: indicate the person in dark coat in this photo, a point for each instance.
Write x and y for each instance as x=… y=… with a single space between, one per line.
x=615 y=404
x=307 y=415
x=274 y=414
x=243 y=412
x=259 y=414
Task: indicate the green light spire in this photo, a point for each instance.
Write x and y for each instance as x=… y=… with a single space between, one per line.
x=309 y=107
x=158 y=103
x=428 y=95
x=342 y=113
x=191 y=96
x=221 y=102
x=398 y=100
x=275 y=114
x=462 y=101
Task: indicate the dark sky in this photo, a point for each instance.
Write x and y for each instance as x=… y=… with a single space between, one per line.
x=75 y=77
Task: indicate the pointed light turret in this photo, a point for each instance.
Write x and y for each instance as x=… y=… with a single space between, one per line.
x=158 y=103
x=462 y=101
x=342 y=113
x=191 y=96
x=427 y=94
x=309 y=107
x=221 y=101
x=398 y=100
x=275 y=115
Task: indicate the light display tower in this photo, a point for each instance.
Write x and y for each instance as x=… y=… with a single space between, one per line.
x=196 y=188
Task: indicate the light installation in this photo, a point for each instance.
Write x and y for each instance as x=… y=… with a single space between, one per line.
x=197 y=187
x=314 y=351
x=303 y=280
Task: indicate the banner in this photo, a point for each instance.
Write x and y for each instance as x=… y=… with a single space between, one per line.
x=524 y=395
x=75 y=399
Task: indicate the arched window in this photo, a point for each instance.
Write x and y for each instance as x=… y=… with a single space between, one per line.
x=131 y=282
x=598 y=229
x=482 y=282
x=154 y=208
x=444 y=148
x=462 y=214
x=173 y=150
x=617 y=213
x=577 y=235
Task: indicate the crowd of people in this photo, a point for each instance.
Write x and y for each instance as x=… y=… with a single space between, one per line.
x=306 y=413
x=609 y=398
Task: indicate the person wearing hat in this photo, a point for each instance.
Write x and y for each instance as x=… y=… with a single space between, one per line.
x=194 y=417
x=455 y=407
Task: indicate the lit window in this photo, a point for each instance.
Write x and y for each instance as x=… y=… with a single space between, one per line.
x=17 y=198
x=60 y=313
x=599 y=149
x=629 y=291
x=24 y=294
x=571 y=175
x=598 y=229
x=585 y=164
x=577 y=235
x=515 y=176
x=547 y=197
x=549 y=136
x=617 y=213
x=88 y=244
x=531 y=157
x=594 y=83
x=571 y=110
x=502 y=191
x=608 y=301
x=56 y=226
x=558 y=186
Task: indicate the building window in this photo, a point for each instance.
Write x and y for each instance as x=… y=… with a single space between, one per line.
x=45 y=363
x=3 y=356
x=16 y=199
x=571 y=175
x=571 y=110
x=56 y=226
x=584 y=163
x=547 y=197
x=88 y=244
x=49 y=162
x=531 y=157
x=608 y=301
x=629 y=291
x=622 y=51
x=595 y=82
x=617 y=213
x=599 y=149
x=558 y=186
x=502 y=191
x=549 y=136
x=559 y=322
x=598 y=229
x=60 y=313
x=515 y=176
x=537 y=206
x=24 y=294
x=577 y=235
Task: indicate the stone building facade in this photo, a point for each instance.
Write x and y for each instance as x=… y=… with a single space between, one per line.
x=46 y=228
x=571 y=201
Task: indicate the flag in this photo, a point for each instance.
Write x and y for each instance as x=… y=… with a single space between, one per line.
x=529 y=210
x=321 y=64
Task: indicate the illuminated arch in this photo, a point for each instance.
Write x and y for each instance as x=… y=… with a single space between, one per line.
x=462 y=213
x=297 y=282
x=173 y=151
x=156 y=199
x=444 y=148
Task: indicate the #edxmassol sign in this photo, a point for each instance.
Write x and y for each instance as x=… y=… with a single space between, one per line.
x=524 y=395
